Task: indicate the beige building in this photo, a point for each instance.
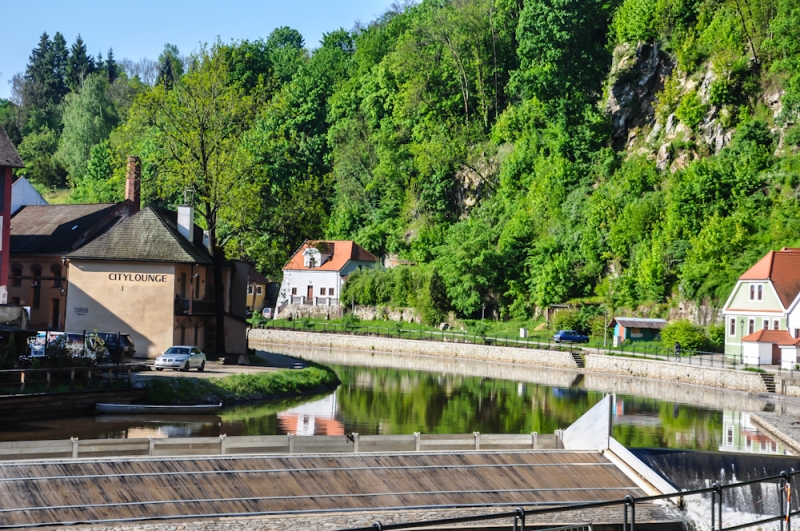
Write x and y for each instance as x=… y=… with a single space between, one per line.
x=40 y=237
x=151 y=276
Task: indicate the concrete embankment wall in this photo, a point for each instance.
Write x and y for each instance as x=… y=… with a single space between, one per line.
x=595 y=363
x=545 y=358
x=676 y=372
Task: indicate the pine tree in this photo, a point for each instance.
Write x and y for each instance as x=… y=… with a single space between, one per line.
x=43 y=87
x=59 y=56
x=80 y=64
x=170 y=66
x=111 y=67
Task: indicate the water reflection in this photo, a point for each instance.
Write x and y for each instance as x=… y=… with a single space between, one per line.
x=384 y=400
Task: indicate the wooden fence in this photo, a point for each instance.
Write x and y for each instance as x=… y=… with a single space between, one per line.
x=273 y=444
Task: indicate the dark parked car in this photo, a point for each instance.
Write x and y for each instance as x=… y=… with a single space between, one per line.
x=570 y=336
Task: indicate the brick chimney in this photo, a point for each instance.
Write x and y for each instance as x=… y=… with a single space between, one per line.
x=133 y=184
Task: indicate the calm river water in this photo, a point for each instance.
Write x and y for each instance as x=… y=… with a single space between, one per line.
x=376 y=399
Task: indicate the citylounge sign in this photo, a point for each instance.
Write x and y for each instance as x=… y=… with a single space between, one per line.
x=136 y=277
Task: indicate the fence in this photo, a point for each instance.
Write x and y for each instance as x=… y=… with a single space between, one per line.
x=274 y=444
x=784 y=487
x=14 y=381
x=446 y=336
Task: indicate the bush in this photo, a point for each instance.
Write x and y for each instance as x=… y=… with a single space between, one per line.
x=691 y=110
x=565 y=320
x=716 y=336
x=689 y=336
x=792 y=136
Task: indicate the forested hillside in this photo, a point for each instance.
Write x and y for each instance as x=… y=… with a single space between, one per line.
x=510 y=153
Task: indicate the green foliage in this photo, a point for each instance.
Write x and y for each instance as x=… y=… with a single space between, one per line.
x=716 y=336
x=691 y=110
x=240 y=387
x=690 y=336
x=564 y=320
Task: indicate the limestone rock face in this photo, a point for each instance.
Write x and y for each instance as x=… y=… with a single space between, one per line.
x=637 y=76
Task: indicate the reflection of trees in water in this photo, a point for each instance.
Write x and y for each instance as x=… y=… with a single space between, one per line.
x=383 y=400
x=679 y=426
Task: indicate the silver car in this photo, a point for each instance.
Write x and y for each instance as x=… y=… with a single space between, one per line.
x=181 y=358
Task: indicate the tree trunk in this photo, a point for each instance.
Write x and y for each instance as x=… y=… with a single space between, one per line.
x=218 y=261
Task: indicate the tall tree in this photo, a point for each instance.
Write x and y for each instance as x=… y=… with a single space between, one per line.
x=170 y=66
x=112 y=69
x=79 y=65
x=89 y=117
x=199 y=123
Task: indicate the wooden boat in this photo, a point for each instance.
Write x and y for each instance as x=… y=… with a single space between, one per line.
x=143 y=409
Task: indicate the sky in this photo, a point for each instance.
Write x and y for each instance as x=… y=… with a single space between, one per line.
x=140 y=28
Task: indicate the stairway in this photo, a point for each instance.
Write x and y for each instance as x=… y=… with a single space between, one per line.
x=576 y=355
x=769 y=381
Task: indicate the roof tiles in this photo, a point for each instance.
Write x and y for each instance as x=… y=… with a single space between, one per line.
x=8 y=153
x=150 y=235
x=341 y=251
x=57 y=229
x=783 y=269
x=768 y=336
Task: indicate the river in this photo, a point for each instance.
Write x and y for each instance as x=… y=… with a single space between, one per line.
x=386 y=394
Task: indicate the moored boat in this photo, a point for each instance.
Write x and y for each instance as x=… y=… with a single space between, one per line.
x=144 y=409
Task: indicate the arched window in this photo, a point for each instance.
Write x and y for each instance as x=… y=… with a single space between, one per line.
x=16 y=275
x=55 y=269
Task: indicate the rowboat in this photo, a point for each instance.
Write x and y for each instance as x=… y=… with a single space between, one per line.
x=143 y=409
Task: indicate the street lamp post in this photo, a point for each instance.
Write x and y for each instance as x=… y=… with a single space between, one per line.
x=741 y=343
x=483 y=311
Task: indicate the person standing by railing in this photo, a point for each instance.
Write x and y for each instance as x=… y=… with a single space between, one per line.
x=677 y=351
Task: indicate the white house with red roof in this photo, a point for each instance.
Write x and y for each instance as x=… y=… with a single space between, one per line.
x=316 y=272
x=762 y=320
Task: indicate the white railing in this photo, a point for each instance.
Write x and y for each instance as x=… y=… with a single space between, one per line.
x=272 y=444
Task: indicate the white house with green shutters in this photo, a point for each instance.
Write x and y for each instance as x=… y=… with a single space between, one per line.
x=765 y=299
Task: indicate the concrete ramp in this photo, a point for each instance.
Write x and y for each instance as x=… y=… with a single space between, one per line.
x=593 y=429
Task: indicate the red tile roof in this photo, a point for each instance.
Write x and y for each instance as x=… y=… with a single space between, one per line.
x=769 y=336
x=342 y=251
x=783 y=269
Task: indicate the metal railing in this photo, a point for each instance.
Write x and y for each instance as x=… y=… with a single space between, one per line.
x=15 y=381
x=195 y=307
x=520 y=515
x=446 y=336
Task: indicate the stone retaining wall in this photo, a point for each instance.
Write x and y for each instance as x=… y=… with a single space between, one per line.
x=595 y=363
x=676 y=372
x=545 y=358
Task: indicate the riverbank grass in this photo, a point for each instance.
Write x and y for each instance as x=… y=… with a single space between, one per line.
x=240 y=387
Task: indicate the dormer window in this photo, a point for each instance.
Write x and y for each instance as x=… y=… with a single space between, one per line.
x=756 y=292
x=312 y=257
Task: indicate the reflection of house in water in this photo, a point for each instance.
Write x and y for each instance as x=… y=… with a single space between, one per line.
x=739 y=435
x=636 y=414
x=312 y=418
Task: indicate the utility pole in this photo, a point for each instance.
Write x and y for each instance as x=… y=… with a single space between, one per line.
x=483 y=311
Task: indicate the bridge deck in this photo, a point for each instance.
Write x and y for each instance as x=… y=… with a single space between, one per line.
x=152 y=488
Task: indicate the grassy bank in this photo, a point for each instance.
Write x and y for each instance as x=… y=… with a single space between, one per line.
x=240 y=387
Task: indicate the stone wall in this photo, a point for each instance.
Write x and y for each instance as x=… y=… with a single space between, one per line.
x=378 y=313
x=676 y=372
x=544 y=358
x=602 y=372
x=299 y=311
x=787 y=386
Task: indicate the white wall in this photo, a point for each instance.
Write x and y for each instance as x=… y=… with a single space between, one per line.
x=755 y=351
x=302 y=279
x=788 y=357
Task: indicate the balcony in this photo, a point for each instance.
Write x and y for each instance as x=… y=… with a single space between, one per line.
x=314 y=301
x=197 y=307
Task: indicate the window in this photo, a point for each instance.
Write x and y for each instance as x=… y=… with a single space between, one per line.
x=760 y=291
x=765 y=324
x=56 y=270
x=249 y=289
x=732 y=327
x=16 y=273
x=294 y=291
x=729 y=434
x=15 y=301
x=776 y=324
x=752 y=292
x=797 y=333
x=751 y=326
x=36 y=284
x=259 y=290
x=322 y=291
x=330 y=292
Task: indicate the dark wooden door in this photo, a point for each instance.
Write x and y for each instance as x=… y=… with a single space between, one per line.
x=776 y=354
x=310 y=294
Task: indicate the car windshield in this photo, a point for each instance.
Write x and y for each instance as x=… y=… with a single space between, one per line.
x=177 y=350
